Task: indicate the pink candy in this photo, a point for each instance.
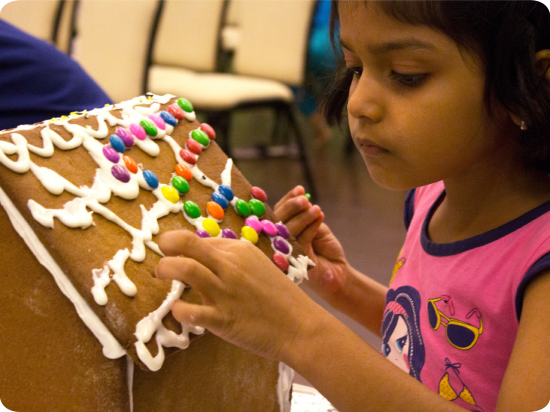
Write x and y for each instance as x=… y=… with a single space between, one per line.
x=254 y=223
x=159 y=121
x=138 y=131
x=269 y=227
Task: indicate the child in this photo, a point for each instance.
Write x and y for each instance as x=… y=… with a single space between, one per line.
x=451 y=100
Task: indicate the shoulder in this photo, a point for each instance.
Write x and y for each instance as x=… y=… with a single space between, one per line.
x=421 y=198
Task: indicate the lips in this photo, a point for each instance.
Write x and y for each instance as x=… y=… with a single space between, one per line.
x=370 y=148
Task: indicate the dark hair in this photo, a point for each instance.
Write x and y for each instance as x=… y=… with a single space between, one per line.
x=505 y=35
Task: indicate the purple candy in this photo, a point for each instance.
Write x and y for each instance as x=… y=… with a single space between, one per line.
x=111 y=154
x=281 y=245
x=121 y=173
x=159 y=121
x=283 y=231
x=138 y=131
x=202 y=233
x=254 y=223
x=269 y=227
x=228 y=234
x=126 y=136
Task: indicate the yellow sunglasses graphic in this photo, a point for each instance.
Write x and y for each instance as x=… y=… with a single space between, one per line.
x=460 y=334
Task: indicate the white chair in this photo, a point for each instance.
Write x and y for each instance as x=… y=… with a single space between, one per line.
x=111 y=43
x=46 y=19
x=270 y=56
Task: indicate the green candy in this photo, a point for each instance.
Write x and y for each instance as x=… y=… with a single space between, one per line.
x=149 y=127
x=308 y=196
x=243 y=208
x=257 y=207
x=180 y=184
x=191 y=209
x=185 y=105
x=200 y=137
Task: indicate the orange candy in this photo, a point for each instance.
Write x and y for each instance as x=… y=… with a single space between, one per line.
x=130 y=163
x=183 y=171
x=215 y=210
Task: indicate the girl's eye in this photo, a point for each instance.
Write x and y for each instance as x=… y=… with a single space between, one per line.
x=409 y=80
x=356 y=70
x=400 y=343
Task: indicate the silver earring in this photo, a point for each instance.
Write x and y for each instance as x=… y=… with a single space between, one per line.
x=523 y=125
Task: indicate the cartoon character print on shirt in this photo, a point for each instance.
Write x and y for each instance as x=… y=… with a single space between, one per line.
x=402 y=342
x=462 y=336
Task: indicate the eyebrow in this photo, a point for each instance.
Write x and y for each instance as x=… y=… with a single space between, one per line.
x=410 y=44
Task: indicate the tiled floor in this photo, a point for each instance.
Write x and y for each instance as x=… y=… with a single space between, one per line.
x=367 y=219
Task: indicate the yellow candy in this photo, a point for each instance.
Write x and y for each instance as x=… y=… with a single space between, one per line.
x=170 y=194
x=211 y=226
x=250 y=234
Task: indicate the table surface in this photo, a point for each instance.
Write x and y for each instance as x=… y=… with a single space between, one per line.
x=308 y=399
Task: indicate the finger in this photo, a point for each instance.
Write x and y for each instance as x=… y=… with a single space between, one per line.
x=297 y=191
x=292 y=207
x=300 y=222
x=197 y=315
x=307 y=236
x=190 y=272
x=187 y=243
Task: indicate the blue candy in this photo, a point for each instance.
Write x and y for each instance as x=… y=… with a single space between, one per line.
x=168 y=118
x=220 y=200
x=151 y=179
x=117 y=143
x=226 y=191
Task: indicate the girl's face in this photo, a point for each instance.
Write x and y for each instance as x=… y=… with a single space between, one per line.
x=397 y=347
x=416 y=104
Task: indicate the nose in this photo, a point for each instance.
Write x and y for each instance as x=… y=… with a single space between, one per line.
x=365 y=99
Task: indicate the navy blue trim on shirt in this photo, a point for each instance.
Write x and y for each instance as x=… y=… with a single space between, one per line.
x=408 y=211
x=453 y=248
x=541 y=265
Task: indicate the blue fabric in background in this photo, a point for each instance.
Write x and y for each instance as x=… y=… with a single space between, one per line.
x=39 y=82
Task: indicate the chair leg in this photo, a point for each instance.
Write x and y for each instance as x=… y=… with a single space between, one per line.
x=302 y=153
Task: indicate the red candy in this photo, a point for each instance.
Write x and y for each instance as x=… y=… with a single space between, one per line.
x=280 y=261
x=188 y=157
x=206 y=128
x=176 y=111
x=258 y=193
x=194 y=146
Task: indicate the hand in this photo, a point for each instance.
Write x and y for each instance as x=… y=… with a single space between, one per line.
x=247 y=300
x=305 y=223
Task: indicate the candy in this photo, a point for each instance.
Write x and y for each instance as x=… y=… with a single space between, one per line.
x=281 y=245
x=254 y=223
x=183 y=171
x=191 y=209
x=188 y=157
x=185 y=105
x=282 y=230
x=170 y=194
x=308 y=196
x=226 y=191
x=211 y=226
x=111 y=154
x=258 y=193
x=149 y=127
x=168 y=118
x=176 y=111
x=120 y=173
x=280 y=261
x=158 y=121
x=249 y=234
x=215 y=210
x=228 y=234
x=151 y=179
x=206 y=128
x=220 y=199
x=138 y=131
x=269 y=227
x=180 y=184
x=202 y=233
x=243 y=208
x=126 y=136
x=117 y=143
x=130 y=163
x=200 y=137
x=193 y=146
x=256 y=207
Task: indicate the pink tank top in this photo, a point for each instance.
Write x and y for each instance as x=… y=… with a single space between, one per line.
x=452 y=310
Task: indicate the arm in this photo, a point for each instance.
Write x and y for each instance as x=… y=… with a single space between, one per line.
x=343 y=287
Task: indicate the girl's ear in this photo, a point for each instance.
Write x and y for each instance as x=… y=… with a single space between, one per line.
x=543 y=69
